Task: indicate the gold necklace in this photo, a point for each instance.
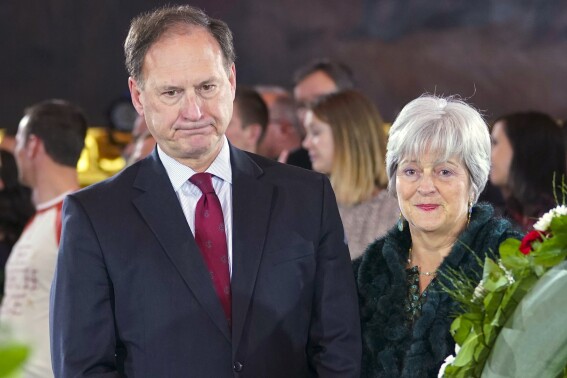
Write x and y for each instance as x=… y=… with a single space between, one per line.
x=429 y=274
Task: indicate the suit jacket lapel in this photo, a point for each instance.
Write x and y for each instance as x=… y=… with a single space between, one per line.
x=251 y=203
x=161 y=210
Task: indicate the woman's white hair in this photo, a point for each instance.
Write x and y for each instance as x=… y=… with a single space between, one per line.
x=446 y=126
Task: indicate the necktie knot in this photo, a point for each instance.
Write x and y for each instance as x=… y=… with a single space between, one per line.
x=203 y=181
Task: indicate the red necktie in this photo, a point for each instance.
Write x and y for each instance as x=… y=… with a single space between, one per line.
x=211 y=238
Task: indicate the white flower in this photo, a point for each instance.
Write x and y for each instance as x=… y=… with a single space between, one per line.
x=479 y=293
x=561 y=210
x=507 y=273
x=543 y=223
x=448 y=361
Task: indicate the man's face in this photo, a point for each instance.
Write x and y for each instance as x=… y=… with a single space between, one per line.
x=21 y=154
x=309 y=89
x=280 y=133
x=241 y=136
x=187 y=95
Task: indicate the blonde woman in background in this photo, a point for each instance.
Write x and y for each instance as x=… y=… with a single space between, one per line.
x=346 y=140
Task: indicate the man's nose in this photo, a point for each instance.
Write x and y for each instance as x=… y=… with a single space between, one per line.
x=191 y=108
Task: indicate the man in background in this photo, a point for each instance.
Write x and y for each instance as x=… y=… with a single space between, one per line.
x=142 y=144
x=319 y=78
x=249 y=120
x=49 y=142
x=8 y=142
x=16 y=207
x=312 y=81
x=284 y=133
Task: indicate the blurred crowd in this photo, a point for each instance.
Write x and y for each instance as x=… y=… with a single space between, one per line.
x=322 y=122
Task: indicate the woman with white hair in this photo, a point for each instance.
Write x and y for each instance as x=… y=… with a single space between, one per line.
x=438 y=161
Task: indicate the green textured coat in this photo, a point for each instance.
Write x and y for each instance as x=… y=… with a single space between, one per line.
x=390 y=348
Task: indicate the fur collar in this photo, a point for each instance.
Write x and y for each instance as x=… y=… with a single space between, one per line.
x=390 y=348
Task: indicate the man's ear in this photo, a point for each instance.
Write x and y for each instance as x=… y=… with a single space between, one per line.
x=254 y=131
x=34 y=146
x=232 y=79
x=135 y=93
x=286 y=128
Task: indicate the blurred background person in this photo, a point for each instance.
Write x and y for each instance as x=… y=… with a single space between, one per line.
x=249 y=120
x=139 y=129
x=346 y=140
x=438 y=162
x=527 y=150
x=8 y=142
x=142 y=144
x=16 y=209
x=284 y=133
x=50 y=138
x=318 y=78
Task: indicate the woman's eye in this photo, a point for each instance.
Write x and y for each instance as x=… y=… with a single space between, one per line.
x=445 y=172
x=409 y=172
x=314 y=132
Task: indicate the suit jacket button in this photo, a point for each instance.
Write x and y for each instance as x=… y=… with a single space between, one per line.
x=237 y=366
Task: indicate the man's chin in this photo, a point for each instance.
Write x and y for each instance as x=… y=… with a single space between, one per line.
x=199 y=149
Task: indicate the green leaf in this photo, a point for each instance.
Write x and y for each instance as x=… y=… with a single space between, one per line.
x=558 y=224
x=551 y=252
x=511 y=256
x=12 y=357
x=466 y=353
x=456 y=372
x=492 y=302
x=493 y=277
x=462 y=327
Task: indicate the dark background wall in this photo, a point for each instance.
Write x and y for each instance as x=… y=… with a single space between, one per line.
x=504 y=55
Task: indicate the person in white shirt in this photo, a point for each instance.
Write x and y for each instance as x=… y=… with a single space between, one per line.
x=49 y=142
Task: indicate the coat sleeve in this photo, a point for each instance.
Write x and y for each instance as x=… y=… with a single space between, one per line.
x=334 y=339
x=83 y=338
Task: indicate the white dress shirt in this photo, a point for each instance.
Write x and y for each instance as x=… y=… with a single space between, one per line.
x=189 y=194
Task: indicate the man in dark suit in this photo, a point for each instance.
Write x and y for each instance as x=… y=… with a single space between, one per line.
x=148 y=285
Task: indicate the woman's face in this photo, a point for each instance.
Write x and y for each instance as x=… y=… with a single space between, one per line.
x=433 y=196
x=319 y=143
x=502 y=154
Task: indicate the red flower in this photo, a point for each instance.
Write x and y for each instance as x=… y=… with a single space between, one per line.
x=532 y=236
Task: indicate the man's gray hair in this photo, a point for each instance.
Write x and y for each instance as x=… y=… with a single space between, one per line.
x=446 y=126
x=147 y=28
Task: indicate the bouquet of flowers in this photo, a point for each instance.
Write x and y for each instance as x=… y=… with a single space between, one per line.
x=488 y=306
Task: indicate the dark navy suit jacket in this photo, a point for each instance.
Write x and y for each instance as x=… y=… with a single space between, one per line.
x=132 y=296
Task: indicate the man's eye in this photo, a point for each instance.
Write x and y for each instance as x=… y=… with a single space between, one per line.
x=302 y=105
x=171 y=93
x=208 y=87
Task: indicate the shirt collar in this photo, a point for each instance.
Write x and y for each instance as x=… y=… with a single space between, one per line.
x=52 y=202
x=178 y=173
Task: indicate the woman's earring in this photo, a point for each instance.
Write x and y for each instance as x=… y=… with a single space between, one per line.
x=401 y=223
x=470 y=213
